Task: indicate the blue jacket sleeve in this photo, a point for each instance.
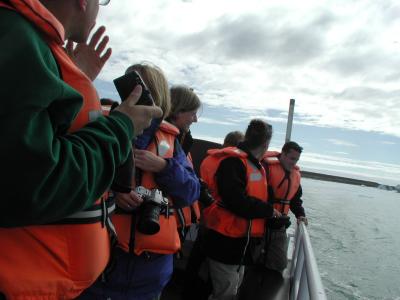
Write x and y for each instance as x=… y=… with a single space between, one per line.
x=179 y=180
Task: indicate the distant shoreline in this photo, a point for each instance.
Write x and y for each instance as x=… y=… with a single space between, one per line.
x=325 y=177
x=200 y=147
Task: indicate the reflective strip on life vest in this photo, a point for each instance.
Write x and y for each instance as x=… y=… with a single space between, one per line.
x=96 y=213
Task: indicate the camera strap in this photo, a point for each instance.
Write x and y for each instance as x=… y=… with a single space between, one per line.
x=246 y=245
x=181 y=219
x=132 y=233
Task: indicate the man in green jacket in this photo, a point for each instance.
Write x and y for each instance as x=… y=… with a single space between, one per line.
x=58 y=154
x=41 y=161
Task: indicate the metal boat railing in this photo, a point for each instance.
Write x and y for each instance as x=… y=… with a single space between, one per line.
x=305 y=278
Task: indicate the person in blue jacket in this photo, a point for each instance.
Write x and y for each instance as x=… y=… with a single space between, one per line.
x=144 y=276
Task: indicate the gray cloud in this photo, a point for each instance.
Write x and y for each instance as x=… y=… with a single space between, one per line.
x=362 y=93
x=258 y=37
x=350 y=61
x=340 y=64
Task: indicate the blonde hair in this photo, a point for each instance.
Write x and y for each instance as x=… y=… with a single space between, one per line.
x=183 y=99
x=157 y=84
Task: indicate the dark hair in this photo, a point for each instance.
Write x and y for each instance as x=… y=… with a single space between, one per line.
x=233 y=138
x=258 y=133
x=109 y=102
x=291 y=146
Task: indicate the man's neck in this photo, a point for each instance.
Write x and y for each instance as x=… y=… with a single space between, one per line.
x=61 y=10
x=257 y=153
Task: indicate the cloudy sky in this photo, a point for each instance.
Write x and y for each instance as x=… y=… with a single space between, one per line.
x=339 y=59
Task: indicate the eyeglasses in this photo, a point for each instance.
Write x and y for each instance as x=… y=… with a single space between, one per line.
x=104 y=2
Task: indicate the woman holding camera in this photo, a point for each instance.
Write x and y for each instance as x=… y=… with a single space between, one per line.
x=147 y=220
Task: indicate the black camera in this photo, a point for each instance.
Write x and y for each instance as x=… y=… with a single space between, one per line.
x=278 y=223
x=125 y=85
x=153 y=204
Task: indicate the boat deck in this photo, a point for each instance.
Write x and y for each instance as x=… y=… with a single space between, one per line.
x=258 y=283
x=264 y=284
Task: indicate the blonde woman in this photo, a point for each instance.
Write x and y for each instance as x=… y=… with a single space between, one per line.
x=144 y=256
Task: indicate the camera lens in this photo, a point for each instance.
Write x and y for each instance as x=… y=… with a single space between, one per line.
x=148 y=221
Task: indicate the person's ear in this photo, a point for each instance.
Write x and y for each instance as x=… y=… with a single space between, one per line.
x=267 y=143
x=83 y=4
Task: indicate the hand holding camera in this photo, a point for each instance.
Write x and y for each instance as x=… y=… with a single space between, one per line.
x=153 y=204
x=140 y=115
x=126 y=84
x=128 y=201
x=137 y=101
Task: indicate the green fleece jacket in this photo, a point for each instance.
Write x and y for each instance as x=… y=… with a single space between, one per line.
x=46 y=172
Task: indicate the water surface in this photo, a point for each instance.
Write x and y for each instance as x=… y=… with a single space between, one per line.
x=355 y=234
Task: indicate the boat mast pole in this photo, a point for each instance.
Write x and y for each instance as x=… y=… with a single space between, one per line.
x=290 y=121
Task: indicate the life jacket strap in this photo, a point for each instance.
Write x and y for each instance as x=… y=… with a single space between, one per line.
x=167 y=211
x=108 y=207
x=164 y=211
x=221 y=204
x=181 y=220
x=97 y=213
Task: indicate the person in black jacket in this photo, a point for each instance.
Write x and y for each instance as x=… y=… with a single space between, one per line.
x=227 y=255
x=195 y=287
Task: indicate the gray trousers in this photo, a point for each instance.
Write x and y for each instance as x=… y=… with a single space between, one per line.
x=226 y=280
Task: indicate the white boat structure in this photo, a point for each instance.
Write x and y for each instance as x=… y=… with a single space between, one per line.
x=304 y=275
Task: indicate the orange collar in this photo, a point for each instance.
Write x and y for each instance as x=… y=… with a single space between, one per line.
x=35 y=12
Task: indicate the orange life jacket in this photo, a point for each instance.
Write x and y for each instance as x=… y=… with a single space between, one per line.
x=167 y=240
x=217 y=217
x=55 y=261
x=209 y=167
x=284 y=184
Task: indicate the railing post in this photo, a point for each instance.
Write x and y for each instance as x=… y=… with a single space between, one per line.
x=290 y=121
x=296 y=250
x=305 y=279
x=298 y=269
x=303 y=292
x=317 y=291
